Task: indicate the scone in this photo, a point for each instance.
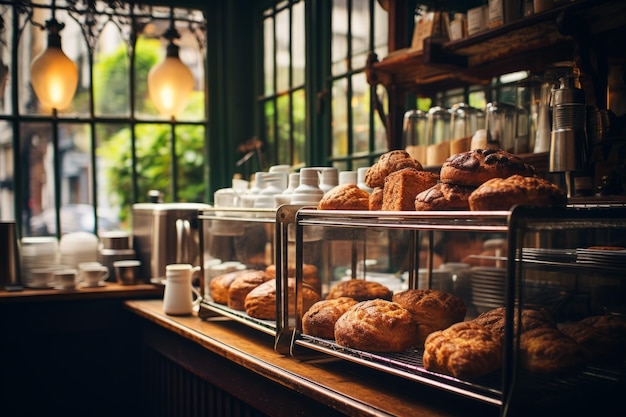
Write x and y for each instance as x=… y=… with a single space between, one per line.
x=547 y=350
x=376 y=199
x=504 y=193
x=444 y=196
x=432 y=309
x=376 y=326
x=310 y=274
x=218 y=287
x=387 y=163
x=402 y=186
x=495 y=321
x=345 y=197
x=242 y=285
x=320 y=319
x=260 y=303
x=465 y=350
x=360 y=290
x=477 y=166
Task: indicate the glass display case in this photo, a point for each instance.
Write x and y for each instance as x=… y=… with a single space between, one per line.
x=567 y=263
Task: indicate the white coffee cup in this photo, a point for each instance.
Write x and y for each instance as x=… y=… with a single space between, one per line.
x=178 y=293
x=91 y=274
x=65 y=279
x=41 y=277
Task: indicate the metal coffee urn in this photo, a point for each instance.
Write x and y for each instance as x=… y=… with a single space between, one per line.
x=568 y=140
x=165 y=233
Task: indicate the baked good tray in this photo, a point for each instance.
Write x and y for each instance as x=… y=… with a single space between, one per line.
x=593 y=381
x=212 y=309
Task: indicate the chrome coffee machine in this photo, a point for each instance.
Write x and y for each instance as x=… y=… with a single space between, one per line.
x=165 y=233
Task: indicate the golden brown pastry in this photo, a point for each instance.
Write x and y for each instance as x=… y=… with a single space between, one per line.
x=320 y=319
x=504 y=193
x=345 y=197
x=547 y=350
x=376 y=199
x=309 y=274
x=616 y=325
x=360 y=290
x=376 y=326
x=387 y=163
x=402 y=186
x=218 y=287
x=260 y=302
x=444 y=196
x=432 y=309
x=495 y=321
x=242 y=285
x=465 y=349
x=599 y=343
x=477 y=166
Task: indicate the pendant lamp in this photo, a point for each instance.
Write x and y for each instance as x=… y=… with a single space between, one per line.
x=170 y=82
x=53 y=75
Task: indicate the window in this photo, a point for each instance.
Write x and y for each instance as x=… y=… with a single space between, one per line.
x=110 y=146
x=342 y=128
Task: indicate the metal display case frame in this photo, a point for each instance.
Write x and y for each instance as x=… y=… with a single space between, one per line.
x=512 y=388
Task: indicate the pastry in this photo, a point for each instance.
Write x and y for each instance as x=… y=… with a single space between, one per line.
x=477 y=166
x=599 y=343
x=218 y=287
x=465 y=349
x=360 y=290
x=616 y=325
x=320 y=319
x=495 y=320
x=504 y=193
x=387 y=163
x=432 y=309
x=547 y=350
x=444 y=196
x=345 y=197
x=376 y=199
x=260 y=302
x=377 y=326
x=309 y=274
x=242 y=285
x=402 y=186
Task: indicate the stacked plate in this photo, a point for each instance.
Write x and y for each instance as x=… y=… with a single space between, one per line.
x=487 y=287
x=602 y=257
x=549 y=255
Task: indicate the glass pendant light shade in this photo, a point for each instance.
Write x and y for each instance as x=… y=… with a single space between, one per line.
x=54 y=76
x=170 y=83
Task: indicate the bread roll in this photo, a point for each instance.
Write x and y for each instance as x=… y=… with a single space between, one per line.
x=260 y=302
x=477 y=166
x=464 y=349
x=309 y=274
x=387 y=163
x=376 y=326
x=599 y=343
x=504 y=193
x=345 y=197
x=242 y=285
x=376 y=199
x=444 y=196
x=495 y=320
x=402 y=186
x=218 y=287
x=432 y=309
x=320 y=319
x=547 y=350
x=360 y=290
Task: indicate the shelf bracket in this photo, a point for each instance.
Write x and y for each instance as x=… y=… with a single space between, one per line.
x=435 y=53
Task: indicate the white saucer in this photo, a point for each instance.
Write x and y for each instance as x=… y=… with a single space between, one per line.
x=65 y=287
x=96 y=285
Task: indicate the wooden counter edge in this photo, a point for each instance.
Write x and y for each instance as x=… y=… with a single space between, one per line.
x=254 y=351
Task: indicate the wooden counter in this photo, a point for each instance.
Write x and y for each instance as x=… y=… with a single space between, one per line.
x=242 y=361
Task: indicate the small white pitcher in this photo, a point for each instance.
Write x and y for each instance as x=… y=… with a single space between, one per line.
x=177 y=296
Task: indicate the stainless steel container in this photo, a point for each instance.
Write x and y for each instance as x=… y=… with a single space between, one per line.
x=165 y=233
